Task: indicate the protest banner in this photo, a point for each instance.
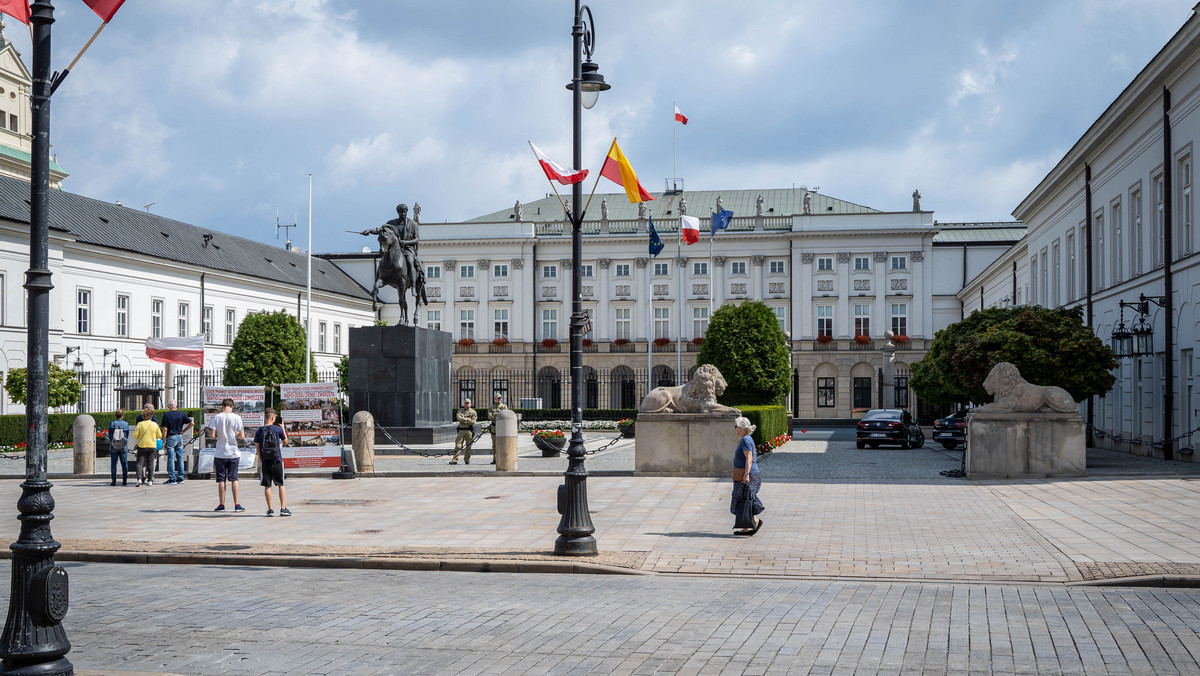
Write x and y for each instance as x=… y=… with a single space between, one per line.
x=248 y=403
x=309 y=413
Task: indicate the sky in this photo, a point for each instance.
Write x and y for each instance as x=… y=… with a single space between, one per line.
x=216 y=112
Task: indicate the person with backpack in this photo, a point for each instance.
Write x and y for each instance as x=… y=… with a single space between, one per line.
x=269 y=441
x=118 y=446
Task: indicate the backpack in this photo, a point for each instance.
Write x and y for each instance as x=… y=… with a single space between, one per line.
x=117 y=440
x=270 y=444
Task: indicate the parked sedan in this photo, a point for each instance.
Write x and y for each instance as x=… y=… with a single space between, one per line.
x=951 y=430
x=888 y=426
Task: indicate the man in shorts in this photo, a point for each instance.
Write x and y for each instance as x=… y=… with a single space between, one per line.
x=227 y=429
x=269 y=441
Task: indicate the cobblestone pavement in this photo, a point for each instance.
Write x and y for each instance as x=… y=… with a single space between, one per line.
x=156 y=619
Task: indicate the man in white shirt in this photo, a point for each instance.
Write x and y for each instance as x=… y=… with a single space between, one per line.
x=227 y=429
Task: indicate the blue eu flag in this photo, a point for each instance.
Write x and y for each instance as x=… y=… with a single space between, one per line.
x=720 y=220
x=656 y=244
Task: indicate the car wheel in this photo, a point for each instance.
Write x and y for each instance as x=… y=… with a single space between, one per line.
x=949 y=446
x=905 y=445
x=860 y=444
x=920 y=440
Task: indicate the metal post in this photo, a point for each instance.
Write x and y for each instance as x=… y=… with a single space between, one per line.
x=575 y=527
x=34 y=641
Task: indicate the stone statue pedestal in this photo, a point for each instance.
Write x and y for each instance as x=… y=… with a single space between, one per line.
x=685 y=443
x=1007 y=444
x=401 y=376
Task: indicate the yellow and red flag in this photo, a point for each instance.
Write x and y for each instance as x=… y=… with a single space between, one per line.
x=616 y=169
x=17 y=9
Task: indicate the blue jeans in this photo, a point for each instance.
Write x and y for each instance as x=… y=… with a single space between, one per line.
x=173 y=445
x=113 y=457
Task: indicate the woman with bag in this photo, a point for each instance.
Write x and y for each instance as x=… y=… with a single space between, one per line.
x=148 y=436
x=118 y=441
x=746 y=482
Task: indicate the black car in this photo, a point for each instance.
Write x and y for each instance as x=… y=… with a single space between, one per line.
x=951 y=430
x=889 y=426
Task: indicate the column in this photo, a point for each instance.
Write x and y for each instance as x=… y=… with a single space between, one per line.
x=843 y=310
x=802 y=303
x=602 y=325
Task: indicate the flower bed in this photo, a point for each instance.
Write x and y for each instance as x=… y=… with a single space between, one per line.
x=772 y=444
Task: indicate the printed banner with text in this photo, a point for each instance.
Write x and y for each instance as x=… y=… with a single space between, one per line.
x=309 y=414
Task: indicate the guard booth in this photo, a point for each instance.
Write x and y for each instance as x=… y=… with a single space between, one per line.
x=136 y=395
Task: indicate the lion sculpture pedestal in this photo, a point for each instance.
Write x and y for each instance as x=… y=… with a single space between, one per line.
x=683 y=430
x=1029 y=430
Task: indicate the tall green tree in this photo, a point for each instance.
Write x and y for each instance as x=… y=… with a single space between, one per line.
x=270 y=348
x=746 y=344
x=64 y=386
x=1049 y=346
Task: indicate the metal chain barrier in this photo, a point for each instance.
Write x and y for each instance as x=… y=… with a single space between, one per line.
x=1101 y=434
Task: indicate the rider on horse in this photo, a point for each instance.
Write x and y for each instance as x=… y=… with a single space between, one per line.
x=398 y=241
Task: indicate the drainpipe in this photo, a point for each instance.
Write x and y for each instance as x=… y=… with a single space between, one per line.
x=1089 y=439
x=1168 y=287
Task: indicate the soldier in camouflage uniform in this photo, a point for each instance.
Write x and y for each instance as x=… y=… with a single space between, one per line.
x=465 y=418
x=493 y=411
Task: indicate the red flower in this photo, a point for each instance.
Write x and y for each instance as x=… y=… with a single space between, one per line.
x=549 y=343
x=824 y=339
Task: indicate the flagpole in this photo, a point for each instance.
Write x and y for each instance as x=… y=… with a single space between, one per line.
x=712 y=278
x=62 y=76
x=589 y=202
x=674 y=138
x=682 y=307
x=649 y=319
x=308 y=311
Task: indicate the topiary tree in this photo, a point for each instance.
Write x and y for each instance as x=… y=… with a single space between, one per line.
x=1050 y=347
x=64 y=386
x=269 y=348
x=746 y=344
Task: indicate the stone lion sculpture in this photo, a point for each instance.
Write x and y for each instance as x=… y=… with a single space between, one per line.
x=699 y=395
x=1014 y=393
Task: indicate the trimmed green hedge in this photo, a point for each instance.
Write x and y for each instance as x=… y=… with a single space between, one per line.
x=62 y=425
x=529 y=414
x=770 y=420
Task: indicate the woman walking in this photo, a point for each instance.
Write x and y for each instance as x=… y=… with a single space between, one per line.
x=147 y=433
x=746 y=479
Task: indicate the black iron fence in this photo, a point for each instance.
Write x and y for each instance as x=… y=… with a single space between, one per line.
x=103 y=391
x=620 y=387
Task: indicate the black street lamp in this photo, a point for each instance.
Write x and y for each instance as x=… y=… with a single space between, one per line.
x=1137 y=341
x=116 y=367
x=575 y=527
x=34 y=641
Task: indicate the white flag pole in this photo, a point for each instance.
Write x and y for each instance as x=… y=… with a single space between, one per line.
x=308 y=283
x=682 y=306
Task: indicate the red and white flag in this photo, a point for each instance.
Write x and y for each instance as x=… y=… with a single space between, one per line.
x=680 y=117
x=183 y=351
x=104 y=8
x=17 y=9
x=555 y=171
x=690 y=229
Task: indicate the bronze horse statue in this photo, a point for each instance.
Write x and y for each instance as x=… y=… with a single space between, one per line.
x=399 y=266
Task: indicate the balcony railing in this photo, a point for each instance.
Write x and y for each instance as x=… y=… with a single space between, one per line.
x=831 y=345
x=665 y=347
x=855 y=345
x=493 y=348
x=591 y=348
x=693 y=347
x=668 y=225
x=627 y=347
x=465 y=349
x=538 y=348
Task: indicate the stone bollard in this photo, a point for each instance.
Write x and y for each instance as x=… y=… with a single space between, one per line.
x=84 y=445
x=506 y=441
x=363 y=441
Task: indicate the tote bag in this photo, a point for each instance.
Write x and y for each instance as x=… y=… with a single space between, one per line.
x=745 y=513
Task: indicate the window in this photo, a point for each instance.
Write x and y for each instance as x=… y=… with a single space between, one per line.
x=500 y=325
x=699 y=321
x=206 y=317
x=824 y=264
x=862 y=263
x=500 y=270
x=12 y=122
x=899 y=262
x=1070 y=266
x=662 y=269
x=662 y=322
x=1100 y=250
x=184 y=311
x=549 y=271
x=550 y=324
x=337 y=338
x=230 y=325
x=622 y=269
x=585 y=271
x=433 y=320
x=624 y=324
x=1117 y=244
x=1185 y=205
x=781 y=315
x=776 y=267
x=825 y=392
x=825 y=320
x=1045 y=278
x=321 y=331
x=900 y=319
x=1033 y=279
x=862 y=320
x=466 y=270
x=1135 y=222
x=466 y=390
x=700 y=268
x=123 y=316
x=83 y=311
x=156 y=318
x=1158 y=220
x=1057 y=279
x=737 y=268
x=433 y=272
x=466 y=324
x=862 y=393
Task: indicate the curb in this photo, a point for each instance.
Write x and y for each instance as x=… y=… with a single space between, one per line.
x=418 y=474
x=1167 y=581
x=355 y=562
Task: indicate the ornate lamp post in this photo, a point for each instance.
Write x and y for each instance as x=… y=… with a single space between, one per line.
x=34 y=641
x=575 y=527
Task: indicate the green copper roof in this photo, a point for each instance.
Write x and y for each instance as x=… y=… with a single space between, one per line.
x=26 y=157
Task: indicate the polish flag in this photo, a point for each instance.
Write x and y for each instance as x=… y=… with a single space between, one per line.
x=680 y=117
x=183 y=351
x=104 y=8
x=17 y=9
x=555 y=171
x=690 y=229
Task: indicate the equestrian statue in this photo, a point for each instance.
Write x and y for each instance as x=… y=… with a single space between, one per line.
x=399 y=265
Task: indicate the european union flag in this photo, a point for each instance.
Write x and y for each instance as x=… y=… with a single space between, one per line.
x=656 y=244
x=720 y=220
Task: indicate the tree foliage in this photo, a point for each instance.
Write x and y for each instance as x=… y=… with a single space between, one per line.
x=1050 y=347
x=270 y=347
x=64 y=386
x=746 y=344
